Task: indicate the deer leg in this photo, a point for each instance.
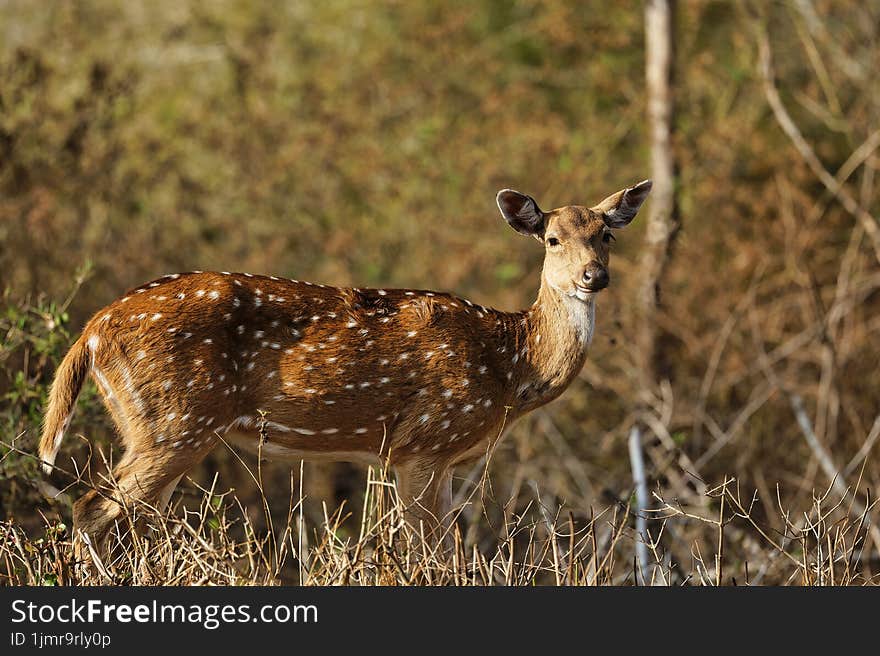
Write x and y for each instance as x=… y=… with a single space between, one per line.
x=143 y=482
x=425 y=489
x=165 y=495
x=157 y=454
x=100 y=509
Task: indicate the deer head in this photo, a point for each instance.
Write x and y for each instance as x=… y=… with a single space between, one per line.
x=576 y=239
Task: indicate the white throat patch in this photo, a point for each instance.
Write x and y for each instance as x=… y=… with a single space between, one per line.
x=583 y=318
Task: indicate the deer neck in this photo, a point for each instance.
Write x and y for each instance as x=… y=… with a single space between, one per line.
x=557 y=330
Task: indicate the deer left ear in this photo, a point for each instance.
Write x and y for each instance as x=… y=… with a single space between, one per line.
x=621 y=208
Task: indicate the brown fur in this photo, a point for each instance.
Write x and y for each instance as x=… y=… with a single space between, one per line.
x=423 y=379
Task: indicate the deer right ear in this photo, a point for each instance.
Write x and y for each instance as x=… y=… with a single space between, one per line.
x=521 y=212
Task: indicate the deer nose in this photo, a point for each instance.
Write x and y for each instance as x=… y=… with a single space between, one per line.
x=595 y=277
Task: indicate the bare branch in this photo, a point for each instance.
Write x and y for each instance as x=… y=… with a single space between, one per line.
x=791 y=129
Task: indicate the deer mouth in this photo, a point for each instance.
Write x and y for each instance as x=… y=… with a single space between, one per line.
x=584 y=294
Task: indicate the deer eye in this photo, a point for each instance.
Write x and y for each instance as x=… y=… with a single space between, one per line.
x=552 y=241
x=607 y=237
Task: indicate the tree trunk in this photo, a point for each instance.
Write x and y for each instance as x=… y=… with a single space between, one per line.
x=659 y=236
x=662 y=216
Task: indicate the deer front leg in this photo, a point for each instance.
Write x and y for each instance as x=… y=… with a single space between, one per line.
x=425 y=489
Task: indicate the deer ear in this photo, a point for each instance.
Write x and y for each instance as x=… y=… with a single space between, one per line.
x=521 y=212
x=621 y=208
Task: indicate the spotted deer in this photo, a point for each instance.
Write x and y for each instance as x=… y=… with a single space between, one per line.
x=423 y=380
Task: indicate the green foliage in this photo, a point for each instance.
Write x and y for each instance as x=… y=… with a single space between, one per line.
x=34 y=340
x=35 y=336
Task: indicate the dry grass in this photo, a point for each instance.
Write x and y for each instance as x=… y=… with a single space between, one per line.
x=209 y=537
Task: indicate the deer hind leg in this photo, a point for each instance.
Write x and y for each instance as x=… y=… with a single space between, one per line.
x=425 y=489
x=165 y=494
x=160 y=447
x=142 y=484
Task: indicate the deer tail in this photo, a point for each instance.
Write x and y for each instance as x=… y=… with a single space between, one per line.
x=69 y=379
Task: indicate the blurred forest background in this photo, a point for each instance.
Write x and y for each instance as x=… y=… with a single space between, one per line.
x=362 y=143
